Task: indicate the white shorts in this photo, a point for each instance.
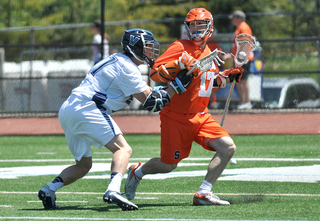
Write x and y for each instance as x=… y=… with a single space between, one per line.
x=85 y=125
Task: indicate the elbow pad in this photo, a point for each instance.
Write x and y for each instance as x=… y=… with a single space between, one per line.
x=166 y=72
x=157 y=99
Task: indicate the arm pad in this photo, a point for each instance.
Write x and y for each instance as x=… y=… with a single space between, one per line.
x=157 y=99
x=166 y=72
x=186 y=61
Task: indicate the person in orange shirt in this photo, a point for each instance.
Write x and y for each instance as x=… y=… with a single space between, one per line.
x=238 y=20
x=186 y=119
x=213 y=44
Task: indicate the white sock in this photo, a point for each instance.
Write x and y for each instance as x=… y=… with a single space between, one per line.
x=204 y=188
x=56 y=184
x=115 y=182
x=138 y=172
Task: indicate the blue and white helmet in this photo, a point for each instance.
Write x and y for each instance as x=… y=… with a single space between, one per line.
x=141 y=44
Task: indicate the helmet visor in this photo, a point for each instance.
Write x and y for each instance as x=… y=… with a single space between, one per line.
x=198 y=29
x=151 y=52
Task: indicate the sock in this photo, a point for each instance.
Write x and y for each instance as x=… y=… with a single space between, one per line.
x=115 y=182
x=138 y=172
x=204 y=188
x=56 y=184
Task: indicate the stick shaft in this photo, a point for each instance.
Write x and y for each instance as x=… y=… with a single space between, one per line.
x=226 y=107
x=190 y=71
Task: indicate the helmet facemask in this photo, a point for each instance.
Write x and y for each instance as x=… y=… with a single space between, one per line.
x=199 y=30
x=151 y=52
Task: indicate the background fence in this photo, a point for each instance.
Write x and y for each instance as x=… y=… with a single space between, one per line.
x=41 y=64
x=285 y=74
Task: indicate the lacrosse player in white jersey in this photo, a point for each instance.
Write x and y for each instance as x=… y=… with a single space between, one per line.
x=86 y=115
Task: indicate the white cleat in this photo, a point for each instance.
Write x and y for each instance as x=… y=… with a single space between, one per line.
x=117 y=198
x=132 y=182
x=208 y=199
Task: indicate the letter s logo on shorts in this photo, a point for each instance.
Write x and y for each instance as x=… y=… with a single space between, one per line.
x=177 y=155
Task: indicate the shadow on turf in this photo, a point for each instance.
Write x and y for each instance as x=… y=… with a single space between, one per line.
x=108 y=207
x=246 y=199
x=97 y=208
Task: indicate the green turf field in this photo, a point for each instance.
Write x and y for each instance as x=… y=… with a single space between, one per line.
x=276 y=178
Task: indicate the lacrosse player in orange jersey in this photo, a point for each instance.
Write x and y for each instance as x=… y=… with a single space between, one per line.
x=186 y=119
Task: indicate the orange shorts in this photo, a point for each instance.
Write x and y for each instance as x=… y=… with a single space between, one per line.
x=178 y=131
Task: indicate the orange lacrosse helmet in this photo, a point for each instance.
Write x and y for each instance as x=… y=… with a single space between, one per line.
x=199 y=25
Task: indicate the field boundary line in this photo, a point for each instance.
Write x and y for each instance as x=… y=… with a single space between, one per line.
x=182 y=194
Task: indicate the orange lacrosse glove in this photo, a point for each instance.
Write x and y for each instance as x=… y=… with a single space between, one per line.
x=232 y=73
x=186 y=61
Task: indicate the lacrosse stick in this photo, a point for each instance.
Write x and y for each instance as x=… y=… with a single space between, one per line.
x=245 y=44
x=206 y=63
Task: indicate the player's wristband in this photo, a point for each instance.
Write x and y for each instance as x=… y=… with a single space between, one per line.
x=177 y=86
x=223 y=82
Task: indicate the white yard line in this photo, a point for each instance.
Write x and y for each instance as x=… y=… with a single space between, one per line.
x=180 y=194
x=299 y=174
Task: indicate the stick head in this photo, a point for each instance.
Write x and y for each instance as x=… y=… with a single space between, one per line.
x=245 y=44
x=206 y=63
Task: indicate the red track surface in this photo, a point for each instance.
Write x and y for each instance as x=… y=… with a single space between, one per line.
x=281 y=123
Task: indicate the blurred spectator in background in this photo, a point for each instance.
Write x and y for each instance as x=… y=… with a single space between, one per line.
x=238 y=20
x=213 y=44
x=96 y=48
x=257 y=64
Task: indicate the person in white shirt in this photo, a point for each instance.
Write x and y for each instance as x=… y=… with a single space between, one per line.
x=96 y=48
x=86 y=118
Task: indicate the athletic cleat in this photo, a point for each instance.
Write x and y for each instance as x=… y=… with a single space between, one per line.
x=48 y=198
x=116 y=197
x=132 y=182
x=208 y=199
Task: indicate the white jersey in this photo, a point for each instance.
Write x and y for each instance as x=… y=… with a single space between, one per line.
x=111 y=83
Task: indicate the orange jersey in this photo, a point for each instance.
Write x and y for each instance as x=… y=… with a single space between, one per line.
x=213 y=44
x=197 y=96
x=242 y=28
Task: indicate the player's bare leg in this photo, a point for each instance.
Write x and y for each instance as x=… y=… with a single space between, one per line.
x=77 y=171
x=136 y=171
x=155 y=165
x=121 y=154
x=225 y=148
x=69 y=175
